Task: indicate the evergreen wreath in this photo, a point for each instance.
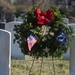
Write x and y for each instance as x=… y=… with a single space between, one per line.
x=52 y=34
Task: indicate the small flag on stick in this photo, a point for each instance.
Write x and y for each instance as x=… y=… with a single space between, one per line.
x=31 y=40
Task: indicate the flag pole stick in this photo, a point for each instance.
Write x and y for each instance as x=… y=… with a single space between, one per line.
x=53 y=65
x=41 y=65
x=32 y=65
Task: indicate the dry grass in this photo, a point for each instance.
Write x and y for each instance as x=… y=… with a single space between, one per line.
x=22 y=67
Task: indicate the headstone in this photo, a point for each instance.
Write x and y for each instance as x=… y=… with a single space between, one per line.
x=72 y=58
x=66 y=56
x=15 y=50
x=72 y=53
x=66 y=20
x=5 y=52
x=19 y=19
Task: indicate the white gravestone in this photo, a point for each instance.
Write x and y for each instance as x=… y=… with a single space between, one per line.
x=15 y=50
x=72 y=53
x=72 y=58
x=66 y=20
x=5 y=52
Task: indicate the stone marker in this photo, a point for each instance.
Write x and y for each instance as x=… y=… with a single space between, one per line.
x=72 y=58
x=5 y=52
x=66 y=20
x=15 y=49
x=66 y=56
x=72 y=53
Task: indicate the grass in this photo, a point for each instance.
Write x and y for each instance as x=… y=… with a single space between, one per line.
x=22 y=67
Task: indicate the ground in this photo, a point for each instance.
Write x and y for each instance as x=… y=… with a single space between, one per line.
x=22 y=67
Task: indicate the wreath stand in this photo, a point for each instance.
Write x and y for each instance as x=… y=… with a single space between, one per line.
x=30 y=72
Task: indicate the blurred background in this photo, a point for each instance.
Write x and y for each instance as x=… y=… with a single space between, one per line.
x=11 y=9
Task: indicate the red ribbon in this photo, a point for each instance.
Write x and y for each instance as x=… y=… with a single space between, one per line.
x=43 y=18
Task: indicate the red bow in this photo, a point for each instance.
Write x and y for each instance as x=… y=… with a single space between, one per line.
x=43 y=18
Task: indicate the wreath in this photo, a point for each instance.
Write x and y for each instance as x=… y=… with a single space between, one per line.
x=43 y=33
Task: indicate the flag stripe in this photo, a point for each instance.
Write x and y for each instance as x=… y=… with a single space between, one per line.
x=31 y=40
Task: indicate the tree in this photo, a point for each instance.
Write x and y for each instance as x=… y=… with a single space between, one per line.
x=5 y=6
x=27 y=3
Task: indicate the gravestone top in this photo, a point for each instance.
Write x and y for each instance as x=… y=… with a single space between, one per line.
x=5 y=31
x=66 y=20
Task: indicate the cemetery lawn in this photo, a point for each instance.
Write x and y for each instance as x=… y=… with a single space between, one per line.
x=22 y=67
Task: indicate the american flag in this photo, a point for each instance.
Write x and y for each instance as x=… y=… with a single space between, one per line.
x=31 y=40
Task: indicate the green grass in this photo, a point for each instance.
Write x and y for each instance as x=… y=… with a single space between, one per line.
x=22 y=67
